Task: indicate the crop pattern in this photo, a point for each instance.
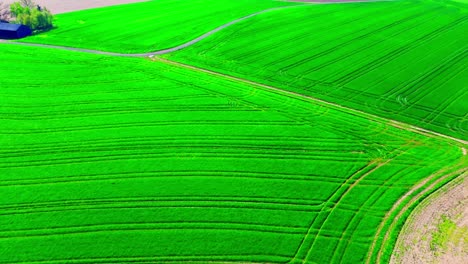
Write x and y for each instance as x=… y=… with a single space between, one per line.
x=146 y=26
x=404 y=60
x=113 y=160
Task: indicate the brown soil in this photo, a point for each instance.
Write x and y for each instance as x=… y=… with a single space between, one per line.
x=414 y=243
x=64 y=6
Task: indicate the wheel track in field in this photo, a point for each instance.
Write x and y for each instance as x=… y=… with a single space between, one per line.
x=151 y=226
x=154 y=123
x=375 y=192
x=394 y=123
x=278 y=31
x=187 y=259
x=231 y=151
x=417 y=83
x=394 y=53
x=455 y=70
x=137 y=146
x=443 y=174
x=374 y=43
x=165 y=174
x=208 y=153
x=352 y=40
x=378 y=119
x=109 y=111
x=183 y=201
x=295 y=143
x=304 y=37
x=419 y=80
x=141 y=202
x=396 y=153
x=151 y=55
x=341 y=191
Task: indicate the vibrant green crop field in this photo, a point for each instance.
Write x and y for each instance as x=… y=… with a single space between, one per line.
x=404 y=60
x=130 y=160
x=147 y=26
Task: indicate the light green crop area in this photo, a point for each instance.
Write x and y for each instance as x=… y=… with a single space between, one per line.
x=447 y=235
x=147 y=26
x=404 y=60
x=119 y=160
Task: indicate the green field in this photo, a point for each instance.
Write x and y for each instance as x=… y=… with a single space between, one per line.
x=117 y=160
x=404 y=60
x=182 y=158
x=146 y=26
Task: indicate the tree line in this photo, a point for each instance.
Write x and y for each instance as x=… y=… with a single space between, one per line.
x=28 y=13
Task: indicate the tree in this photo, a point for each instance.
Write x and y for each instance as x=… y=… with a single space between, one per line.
x=27 y=3
x=26 y=12
x=5 y=14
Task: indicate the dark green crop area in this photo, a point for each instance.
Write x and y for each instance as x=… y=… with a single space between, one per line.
x=113 y=160
x=404 y=60
x=147 y=26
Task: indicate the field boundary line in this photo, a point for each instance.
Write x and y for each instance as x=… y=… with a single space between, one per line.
x=157 y=52
x=378 y=119
x=421 y=207
x=151 y=55
x=350 y=178
x=461 y=171
x=379 y=164
x=337 y=202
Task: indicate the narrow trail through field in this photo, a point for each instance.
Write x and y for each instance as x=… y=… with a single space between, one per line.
x=448 y=202
x=153 y=53
x=375 y=250
x=391 y=122
x=348 y=190
x=442 y=176
x=191 y=42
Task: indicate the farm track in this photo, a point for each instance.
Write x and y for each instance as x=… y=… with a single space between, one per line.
x=340 y=193
x=394 y=123
x=441 y=175
x=450 y=200
x=154 y=53
x=264 y=204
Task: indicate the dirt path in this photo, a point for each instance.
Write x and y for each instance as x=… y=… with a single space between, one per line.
x=348 y=190
x=440 y=174
x=64 y=6
x=159 y=52
x=391 y=122
x=438 y=229
x=441 y=177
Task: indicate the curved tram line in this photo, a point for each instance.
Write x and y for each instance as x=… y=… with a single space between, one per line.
x=393 y=123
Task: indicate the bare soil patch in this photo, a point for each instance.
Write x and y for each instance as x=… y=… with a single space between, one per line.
x=437 y=231
x=64 y=6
